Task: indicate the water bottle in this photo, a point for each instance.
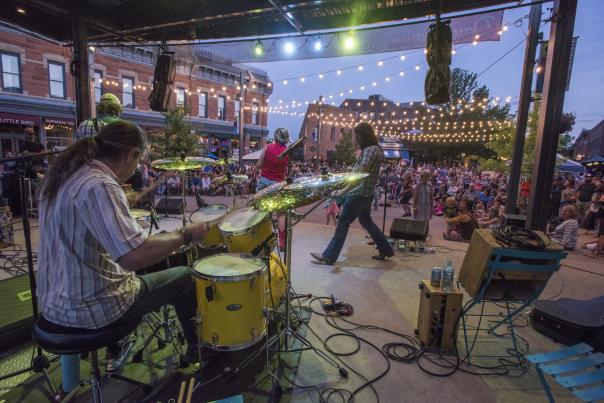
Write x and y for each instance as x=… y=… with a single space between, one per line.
x=447 y=277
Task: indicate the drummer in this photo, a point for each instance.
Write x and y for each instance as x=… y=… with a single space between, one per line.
x=274 y=169
x=90 y=246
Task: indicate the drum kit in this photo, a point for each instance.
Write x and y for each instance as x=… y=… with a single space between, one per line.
x=239 y=279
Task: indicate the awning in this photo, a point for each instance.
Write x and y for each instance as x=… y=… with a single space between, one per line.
x=563 y=164
x=252 y=156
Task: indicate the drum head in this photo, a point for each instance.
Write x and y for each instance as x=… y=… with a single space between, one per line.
x=228 y=266
x=209 y=214
x=242 y=219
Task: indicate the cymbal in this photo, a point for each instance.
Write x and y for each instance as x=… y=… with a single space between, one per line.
x=224 y=161
x=178 y=164
x=282 y=196
x=139 y=213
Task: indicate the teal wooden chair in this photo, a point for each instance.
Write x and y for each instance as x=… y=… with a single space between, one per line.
x=576 y=368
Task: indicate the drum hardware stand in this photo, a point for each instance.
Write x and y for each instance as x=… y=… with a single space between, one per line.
x=287 y=330
x=40 y=362
x=387 y=171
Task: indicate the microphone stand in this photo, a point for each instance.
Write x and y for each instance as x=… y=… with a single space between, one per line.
x=387 y=170
x=39 y=363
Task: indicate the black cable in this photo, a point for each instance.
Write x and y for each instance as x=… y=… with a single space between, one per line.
x=583 y=270
x=512 y=236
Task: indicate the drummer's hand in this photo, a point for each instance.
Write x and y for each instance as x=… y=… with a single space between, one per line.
x=197 y=231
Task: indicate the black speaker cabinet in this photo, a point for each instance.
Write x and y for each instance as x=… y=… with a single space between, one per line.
x=173 y=206
x=163 y=80
x=408 y=229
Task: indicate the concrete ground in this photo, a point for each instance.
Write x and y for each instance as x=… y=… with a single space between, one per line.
x=386 y=294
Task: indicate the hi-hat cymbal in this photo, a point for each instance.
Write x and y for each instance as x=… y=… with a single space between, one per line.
x=282 y=196
x=180 y=164
x=139 y=213
x=222 y=179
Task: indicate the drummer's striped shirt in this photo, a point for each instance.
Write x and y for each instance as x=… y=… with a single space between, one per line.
x=84 y=230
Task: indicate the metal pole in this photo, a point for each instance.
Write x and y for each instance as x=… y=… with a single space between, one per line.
x=288 y=264
x=550 y=114
x=319 y=129
x=81 y=69
x=523 y=107
x=241 y=117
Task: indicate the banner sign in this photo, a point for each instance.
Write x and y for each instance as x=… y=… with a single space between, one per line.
x=60 y=121
x=382 y=40
x=15 y=119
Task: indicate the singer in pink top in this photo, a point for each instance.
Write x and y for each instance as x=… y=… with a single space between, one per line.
x=274 y=169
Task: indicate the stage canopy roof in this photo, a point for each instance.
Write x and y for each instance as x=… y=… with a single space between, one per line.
x=161 y=20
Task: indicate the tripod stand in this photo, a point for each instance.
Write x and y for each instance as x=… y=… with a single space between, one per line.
x=40 y=362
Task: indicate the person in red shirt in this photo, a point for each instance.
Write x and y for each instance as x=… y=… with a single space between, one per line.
x=274 y=169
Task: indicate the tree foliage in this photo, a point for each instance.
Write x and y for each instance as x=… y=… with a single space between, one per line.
x=345 y=149
x=177 y=138
x=464 y=86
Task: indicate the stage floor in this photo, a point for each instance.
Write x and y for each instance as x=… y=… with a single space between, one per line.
x=386 y=294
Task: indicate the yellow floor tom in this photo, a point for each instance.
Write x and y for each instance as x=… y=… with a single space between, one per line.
x=231 y=290
x=245 y=229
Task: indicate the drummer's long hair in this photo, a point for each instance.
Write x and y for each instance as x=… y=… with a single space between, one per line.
x=113 y=143
x=365 y=135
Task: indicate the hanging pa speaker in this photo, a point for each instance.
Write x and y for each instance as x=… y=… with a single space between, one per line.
x=163 y=81
x=437 y=87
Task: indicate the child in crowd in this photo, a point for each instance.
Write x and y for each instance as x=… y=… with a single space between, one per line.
x=439 y=206
x=450 y=211
x=332 y=211
x=479 y=213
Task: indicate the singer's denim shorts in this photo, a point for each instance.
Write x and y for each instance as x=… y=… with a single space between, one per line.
x=263 y=183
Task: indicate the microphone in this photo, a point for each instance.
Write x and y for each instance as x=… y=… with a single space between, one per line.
x=264 y=244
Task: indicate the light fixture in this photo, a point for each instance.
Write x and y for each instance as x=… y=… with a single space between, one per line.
x=402 y=57
x=321 y=75
x=360 y=68
x=318 y=45
x=453 y=51
x=339 y=72
x=380 y=63
x=474 y=43
x=505 y=28
x=91 y=48
x=284 y=82
x=20 y=10
x=289 y=48
x=477 y=36
x=258 y=49
x=349 y=42
x=417 y=67
x=402 y=73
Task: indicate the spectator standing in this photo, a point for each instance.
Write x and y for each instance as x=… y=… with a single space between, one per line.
x=422 y=198
x=584 y=194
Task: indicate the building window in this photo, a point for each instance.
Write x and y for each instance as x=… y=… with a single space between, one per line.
x=98 y=85
x=128 y=92
x=255 y=108
x=333 y=134
x=56 y=79
x=10 y=64
x=203 y=104
x=221 y=108
x=237 y=111
x=181 y=99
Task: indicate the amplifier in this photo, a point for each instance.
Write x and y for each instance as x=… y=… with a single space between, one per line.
x=174 y=206
x=408 y=229
x=438 y=315
x=16 y=320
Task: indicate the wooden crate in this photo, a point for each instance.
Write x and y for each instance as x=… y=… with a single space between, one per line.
x=438 y=314
x=518 y=283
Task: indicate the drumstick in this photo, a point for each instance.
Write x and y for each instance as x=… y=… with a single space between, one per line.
x=190 y=392
x=181 y=393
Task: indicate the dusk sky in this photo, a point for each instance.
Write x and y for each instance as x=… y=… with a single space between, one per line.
x=585 y=97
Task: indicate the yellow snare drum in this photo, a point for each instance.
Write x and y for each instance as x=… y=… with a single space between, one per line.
x=278 y=282
x=244 y=229
x=211 y=215
x=230 y=300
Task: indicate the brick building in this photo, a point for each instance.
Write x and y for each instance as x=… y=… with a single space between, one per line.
x=590 y=143
x=337 y=120
x=37 y=89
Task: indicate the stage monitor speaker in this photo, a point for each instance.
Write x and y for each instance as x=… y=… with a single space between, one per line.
x=163 y=81
x=409 y=229
x=571 y=321
x=505 y=284
x=516 y=220
x=173 y=206
x=16 y=320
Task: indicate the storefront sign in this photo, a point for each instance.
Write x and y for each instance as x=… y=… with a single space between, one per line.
x=60 y=121
x=15 y=119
